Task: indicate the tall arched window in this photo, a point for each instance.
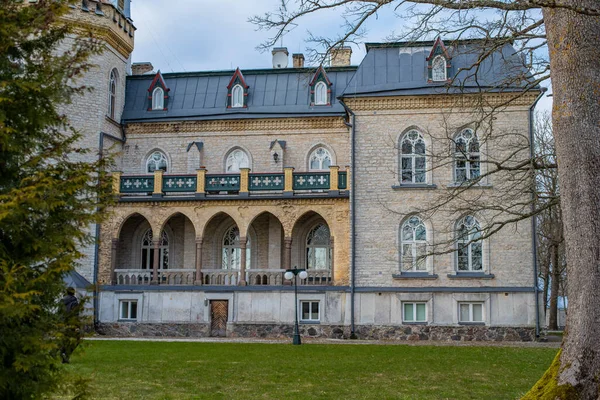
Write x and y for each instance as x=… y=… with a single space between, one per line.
x=318 y=248
x=156 y=161
x=320 y=159
x=158 y=99
x=469 y=248
x=413 y=245
x=231 y=251
x=413 y=159
x=321 y=94
x=237 y=96
x=438 y=69
x=235 y=160
x=148 y=251
x=112 y=93
x=467 y=157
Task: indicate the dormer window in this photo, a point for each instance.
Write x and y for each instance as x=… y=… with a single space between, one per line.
x=320 y=94
x=237 y=96
x=158 y=99
x=438 y=69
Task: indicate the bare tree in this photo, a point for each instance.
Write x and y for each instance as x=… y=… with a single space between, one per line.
x=555 y=38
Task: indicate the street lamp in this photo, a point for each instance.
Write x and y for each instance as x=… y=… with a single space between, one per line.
x=289 y=274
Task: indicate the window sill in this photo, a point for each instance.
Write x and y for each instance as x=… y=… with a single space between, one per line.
x=310 y=322
x=415 y=323
x=127 y=320
x=468 y=185
x=414 y=275
x=471 y=275
x=413 y=186
x=472 y=323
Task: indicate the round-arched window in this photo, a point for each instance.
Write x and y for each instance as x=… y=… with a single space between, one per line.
x=321 y=94
x=467 y=158
x=112 y=93
x=318 y=248
x=412 y=159
x=414 y=244
x=148 y=251
x=158 y=99
x=469 y=245
x=237 y=96
x=156 y=161
x=237 y=159
x=320 y=159
x=438 y=69
x=231 y=251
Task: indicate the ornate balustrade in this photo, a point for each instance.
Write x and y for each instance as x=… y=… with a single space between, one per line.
x=144 y=276
x=225 y=277
x=265 y=276
x=245 y=183
x=317 y=277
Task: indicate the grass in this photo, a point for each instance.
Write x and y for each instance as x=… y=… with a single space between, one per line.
x=162 y=370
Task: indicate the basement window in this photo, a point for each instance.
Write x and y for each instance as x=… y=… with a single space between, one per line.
x=310 y=311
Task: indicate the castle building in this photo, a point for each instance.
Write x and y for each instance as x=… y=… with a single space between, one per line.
x=226 y=179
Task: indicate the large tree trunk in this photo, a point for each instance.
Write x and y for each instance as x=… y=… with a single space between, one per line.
x=555 y=284
x=574 y=44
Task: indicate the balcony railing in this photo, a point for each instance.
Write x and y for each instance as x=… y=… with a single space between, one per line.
x=201 y=184
x=216 y=277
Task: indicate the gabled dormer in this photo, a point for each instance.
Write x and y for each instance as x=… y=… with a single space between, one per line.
x=237 y=91
x=438 y=63
x=158 y=94
x=320 y=89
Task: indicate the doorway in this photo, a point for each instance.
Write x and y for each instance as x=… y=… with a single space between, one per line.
x=218 y=317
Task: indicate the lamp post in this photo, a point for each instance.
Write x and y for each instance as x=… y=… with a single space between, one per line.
x=289 y=274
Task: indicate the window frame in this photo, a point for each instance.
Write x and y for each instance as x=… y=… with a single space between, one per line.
x=414 y=310
x=150 y=159
x=147 y=251
x=321 y=94
x=469 y=241
x=310 y=249
x=237 y=91
x=471 y=314
x=436 y=68
x=320 y=159
x=471 y=159
x=158 y=103
x=414 y=243
x=129 y=302
x=412 y=157
x=231 y=155
x=235 y=249
x=310 y=303
x=112 y=93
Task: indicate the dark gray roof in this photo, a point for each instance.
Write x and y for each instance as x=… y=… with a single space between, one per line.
x=392 y=69
x=272 y=93
x=75 y=280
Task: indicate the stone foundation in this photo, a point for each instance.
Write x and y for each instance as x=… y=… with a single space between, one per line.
x=365 y=332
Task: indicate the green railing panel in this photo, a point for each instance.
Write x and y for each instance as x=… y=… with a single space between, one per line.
x=311 y=180
x=137 y=184
x=179 y=183
x=266 y=182
x=342 y=180
x=218 y=183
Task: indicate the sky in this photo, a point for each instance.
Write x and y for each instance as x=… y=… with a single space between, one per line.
x=204 y=35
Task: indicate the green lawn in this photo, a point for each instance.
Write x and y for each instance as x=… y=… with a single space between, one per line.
x=162 y=370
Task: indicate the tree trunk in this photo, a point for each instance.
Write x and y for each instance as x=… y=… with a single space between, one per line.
x=555 y=282
x=574 y=45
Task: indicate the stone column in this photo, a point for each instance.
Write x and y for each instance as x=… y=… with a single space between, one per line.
x=242 y=281
x=287 y=253
x=155 y=262
x=113 y=259
x=198 y=280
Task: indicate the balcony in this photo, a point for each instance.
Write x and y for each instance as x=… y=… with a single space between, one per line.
x=332 y=183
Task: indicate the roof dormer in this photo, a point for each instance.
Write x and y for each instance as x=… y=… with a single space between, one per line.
x=237 y=91
x=438 y=63
x=158 y=94
x=320 y=89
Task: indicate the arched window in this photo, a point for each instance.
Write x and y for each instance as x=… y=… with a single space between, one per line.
x=321 y=94
x=469 y=248
x=112 y=93
x=413 y=161
x=235 y=160
x=319 y=160
x=158 y=99
x=237 y=96
x=232 y=253
x=438 y=69
x=413 y=245
x=318 y=248
x=156 y=161
x=467 y=157
x=148 y=251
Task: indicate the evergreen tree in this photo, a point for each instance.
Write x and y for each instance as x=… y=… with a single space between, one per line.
x=50 y=189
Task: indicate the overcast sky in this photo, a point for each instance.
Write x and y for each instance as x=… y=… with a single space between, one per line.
x=200 y=35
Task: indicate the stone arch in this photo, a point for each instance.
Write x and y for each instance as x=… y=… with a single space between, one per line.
x=303 y=225
x=186 y=213
x=182 y=245
x=119 y=222
x=268 y=236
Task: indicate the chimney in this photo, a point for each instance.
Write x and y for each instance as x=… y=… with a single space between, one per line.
x=141 y=68
x=340 y=56
x=298 y=60
x=280 y=57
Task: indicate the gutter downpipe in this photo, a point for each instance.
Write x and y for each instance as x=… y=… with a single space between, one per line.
x=534 y=242
x=352 y=125
x=101 y=136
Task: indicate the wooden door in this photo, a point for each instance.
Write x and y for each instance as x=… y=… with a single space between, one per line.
x=218 y=317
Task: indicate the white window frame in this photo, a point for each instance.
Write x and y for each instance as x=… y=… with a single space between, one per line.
x=470 y=319
x=231 y=253
x=472 y=159
x=437 y=67
x=414 y=307
x=156 y=161
x=163 y=251
x=129 y=303
x=321 y=95
x=412 y=156
x=237 y=96
x=233 y=162
x=310 y=319
x=414 y=245
x=112 y=94
x=311 y=249
x=158 y=98
x=320 y=154
x=474 y=231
